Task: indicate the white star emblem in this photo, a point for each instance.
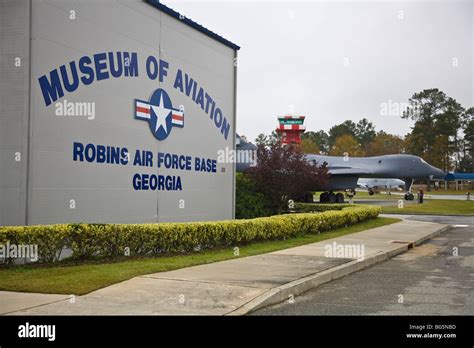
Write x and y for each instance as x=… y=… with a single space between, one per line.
x=161 y=115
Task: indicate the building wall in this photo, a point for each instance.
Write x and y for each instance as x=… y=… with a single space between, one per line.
x=63 y=190
x=14 y=109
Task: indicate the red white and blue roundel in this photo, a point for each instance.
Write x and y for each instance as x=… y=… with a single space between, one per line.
x=159 y=113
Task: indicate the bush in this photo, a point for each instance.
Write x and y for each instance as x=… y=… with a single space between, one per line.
x=249 y=202
x=319 y=207
x=49 y=238
x=109 y=240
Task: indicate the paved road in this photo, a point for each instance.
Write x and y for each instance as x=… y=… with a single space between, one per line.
x=428 y=279
x=447 y=219
x=428 y=195
x=454 y=220
x=433 y=195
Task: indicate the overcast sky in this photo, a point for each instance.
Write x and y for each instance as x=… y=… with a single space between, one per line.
x=338 y=60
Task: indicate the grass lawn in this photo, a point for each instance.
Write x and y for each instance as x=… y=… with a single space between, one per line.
x=434 y=207
x=365 y=195
x=84 y=278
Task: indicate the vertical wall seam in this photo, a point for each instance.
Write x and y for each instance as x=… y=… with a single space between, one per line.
x=158 y=143
x=30 y=106
x=234 y=165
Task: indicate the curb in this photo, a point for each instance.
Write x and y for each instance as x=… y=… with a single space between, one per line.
x=299 y=286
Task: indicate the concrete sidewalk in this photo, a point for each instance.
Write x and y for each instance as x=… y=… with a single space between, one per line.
x=232 y=287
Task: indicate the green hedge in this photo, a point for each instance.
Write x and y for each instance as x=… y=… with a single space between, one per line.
x=319 y=207
x=109 y=240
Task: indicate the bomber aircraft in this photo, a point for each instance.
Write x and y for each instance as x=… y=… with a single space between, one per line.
x=372 y=184
x=345 y=172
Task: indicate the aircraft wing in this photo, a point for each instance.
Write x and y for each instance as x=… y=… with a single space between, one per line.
x=346 y=170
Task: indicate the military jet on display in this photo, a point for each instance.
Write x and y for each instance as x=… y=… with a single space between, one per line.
x=346 y=171
x=372 y=184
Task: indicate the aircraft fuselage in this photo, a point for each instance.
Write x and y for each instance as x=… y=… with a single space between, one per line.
x=345 y=171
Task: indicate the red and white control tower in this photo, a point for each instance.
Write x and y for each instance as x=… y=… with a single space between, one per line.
x=291 y=127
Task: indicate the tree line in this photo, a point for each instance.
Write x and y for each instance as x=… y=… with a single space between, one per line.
x=442 y=134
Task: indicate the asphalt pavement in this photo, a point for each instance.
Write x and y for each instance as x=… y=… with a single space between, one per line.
x=435 y=278
x=433 y=195
x=429 y=195
x=454 y=220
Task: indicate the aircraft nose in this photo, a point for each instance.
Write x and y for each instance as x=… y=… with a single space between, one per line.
x=436 y=173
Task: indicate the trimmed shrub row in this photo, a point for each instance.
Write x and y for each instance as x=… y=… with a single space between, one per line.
x=88 y=241
x=319 y=207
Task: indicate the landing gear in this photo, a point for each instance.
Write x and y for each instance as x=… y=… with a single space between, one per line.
x=324 y=197
x=408 y=185
x=371 y=192
x=331 y=197
x=308 y=197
